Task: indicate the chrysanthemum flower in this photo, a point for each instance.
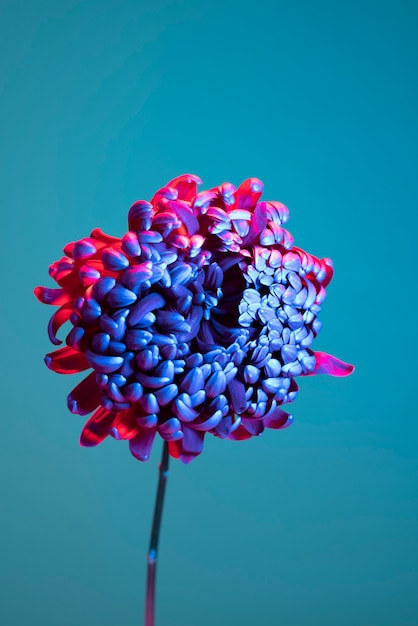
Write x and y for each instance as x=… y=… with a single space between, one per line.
x=198 y=320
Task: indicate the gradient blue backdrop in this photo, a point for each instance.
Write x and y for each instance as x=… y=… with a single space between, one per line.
x=101 y=103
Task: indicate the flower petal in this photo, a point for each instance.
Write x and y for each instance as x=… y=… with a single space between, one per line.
x=186 y=186
x=97 y=428
x=140 y=445
x=125 y=425
x=191 y=445
x=254 y=426
x=328 y=364
x=248 y=193
x=98 y=234
x=104 y=363
x=66 y=361
x=277 y=419
x=239 y=434
x=57 y=320
x=85 y=397
x=258 y=224
x=52 y=296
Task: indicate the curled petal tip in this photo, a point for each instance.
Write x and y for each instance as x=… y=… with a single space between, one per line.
x=140 y=445
x=76 y=409
x=328 y=364
x=256 y=185
x=51 y=296
x=72 y=406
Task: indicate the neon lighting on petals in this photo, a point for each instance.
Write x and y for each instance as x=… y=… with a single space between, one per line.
x=198 y=320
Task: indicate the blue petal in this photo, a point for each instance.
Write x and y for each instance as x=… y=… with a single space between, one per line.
x=166 y=394
x=100 y=342
x=102 y=287
x=216 y=384
x=114 y=260
x=136 y=339
x=133 y=392
x=151 y=302
x=119 y=296
x=102 y=363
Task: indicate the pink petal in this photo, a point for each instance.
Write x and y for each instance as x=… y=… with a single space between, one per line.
x=328 y=364
x=125 y=425
x=60 y=270
x=52 y=296
x=57 y=320
x=239 y=434
x=277 y=419
x=329 y=271
x=66 y=361
x=248 y=193
x=140 y=446
x=85 y=397
x=99 y=235
x=186 y=186
x=97 y=428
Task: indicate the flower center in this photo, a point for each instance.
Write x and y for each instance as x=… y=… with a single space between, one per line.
x=210 y=301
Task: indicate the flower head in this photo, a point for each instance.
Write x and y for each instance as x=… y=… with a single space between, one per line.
x=198 y=320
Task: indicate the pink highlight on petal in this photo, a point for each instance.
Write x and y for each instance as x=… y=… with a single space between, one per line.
x=81 y=249
x=97 y=428
x=60 y=270
x=52 y=296
x=277 y=419
x=103 y=238
x=186 y=186
x=239 y=434
x=248 y=193
x=126 y=424
x=88 y=275
x=57 y=320
x=258 y=223
x=66 y=361
x=329 y=271
x=328 y=364
x=191 y=231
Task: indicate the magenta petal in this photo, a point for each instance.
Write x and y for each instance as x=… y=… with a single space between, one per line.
x=329 y=271
x=85 y=397
x=66 y=361
x=140 y=445
x=248 y=193
x=97 y=428
x=277 y=419
x=254 y=426
x=328 y=364
x=186 y=186
x=239 y=434
x=52 y=296
x=57 y=320
x=97 y=233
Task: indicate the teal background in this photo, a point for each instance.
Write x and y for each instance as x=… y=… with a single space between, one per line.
x=101 y=104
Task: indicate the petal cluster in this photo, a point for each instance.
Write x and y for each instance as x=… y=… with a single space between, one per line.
x=198 y=320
